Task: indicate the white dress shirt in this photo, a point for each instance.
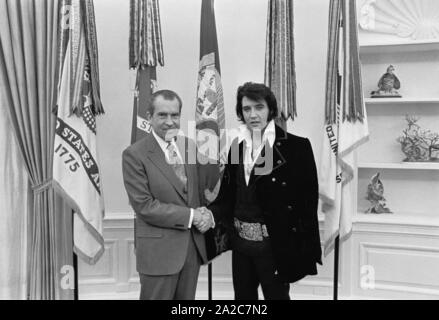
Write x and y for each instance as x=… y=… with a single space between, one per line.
x=250 y=154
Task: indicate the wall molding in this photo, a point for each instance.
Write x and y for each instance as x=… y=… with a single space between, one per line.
x=367 y=249
x=115 y=276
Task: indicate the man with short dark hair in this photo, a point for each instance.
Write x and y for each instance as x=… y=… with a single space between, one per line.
x=268 y=201
x=162 y=187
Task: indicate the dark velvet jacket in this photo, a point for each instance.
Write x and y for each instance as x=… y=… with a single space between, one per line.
x=287 y=188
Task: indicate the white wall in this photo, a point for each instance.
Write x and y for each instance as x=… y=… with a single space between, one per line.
x=114 y=128
x=241 y=26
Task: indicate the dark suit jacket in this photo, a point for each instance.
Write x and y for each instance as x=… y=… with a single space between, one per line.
x=161 y=205
x=287 y=187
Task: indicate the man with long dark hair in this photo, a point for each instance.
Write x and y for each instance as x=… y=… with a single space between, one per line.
x=268 y=199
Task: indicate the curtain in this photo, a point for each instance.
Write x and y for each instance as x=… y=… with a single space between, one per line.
x=14 y=189
x=28 y=81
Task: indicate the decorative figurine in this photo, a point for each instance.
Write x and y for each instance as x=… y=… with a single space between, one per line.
x=419 y=145
x=388 y=85
x=375 y=191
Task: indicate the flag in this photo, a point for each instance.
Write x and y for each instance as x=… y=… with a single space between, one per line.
x=76 y=172
x=145 y=54
x=345 y=127
x=209 y=115
x=280 y=74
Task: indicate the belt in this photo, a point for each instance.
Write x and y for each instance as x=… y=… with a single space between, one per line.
x=251 y=231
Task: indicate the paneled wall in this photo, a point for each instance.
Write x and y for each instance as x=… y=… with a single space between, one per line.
x=381 y=260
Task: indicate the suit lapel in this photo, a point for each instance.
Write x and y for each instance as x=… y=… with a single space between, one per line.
x=156 y=155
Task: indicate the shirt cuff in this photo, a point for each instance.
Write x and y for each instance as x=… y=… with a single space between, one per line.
x=213 y=220
x=191 y=218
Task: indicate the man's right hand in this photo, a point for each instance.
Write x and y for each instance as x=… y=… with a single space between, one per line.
x=202 y=219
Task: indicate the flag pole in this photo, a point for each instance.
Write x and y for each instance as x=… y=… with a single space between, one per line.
x=336 y=262
x=209 y=114
x=209 y=280
x=75 y=268
x=75 y=262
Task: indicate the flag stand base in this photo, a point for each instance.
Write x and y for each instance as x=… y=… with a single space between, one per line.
x=75 y=262
x=209 y=281
x=336 y=258
x=75 y=268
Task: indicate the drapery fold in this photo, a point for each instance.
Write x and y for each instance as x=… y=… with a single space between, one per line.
x=14 y=210
x=28 y=78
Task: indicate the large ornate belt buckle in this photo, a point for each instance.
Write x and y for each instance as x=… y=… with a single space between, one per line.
x=251 y=231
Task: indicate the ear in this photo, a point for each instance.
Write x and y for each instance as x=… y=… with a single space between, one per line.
x=148 y=115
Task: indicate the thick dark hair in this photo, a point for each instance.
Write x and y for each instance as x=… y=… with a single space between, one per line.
x=167 y=95
x=256 y=92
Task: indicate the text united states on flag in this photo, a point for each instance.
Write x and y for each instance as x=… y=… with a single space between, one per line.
x=76 y=171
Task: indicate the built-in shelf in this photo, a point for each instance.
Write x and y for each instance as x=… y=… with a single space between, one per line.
x=400 y=166
x=400 y=46
x=402 y=218
x=388 y=101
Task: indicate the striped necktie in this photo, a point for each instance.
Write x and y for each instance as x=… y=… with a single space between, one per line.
x=176 y=163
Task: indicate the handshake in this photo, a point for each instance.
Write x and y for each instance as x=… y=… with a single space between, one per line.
x=203 y=219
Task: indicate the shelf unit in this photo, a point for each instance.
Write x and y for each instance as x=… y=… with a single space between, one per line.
x=400 y=166
x=409 y=187
x=391 y=101
x=399 y=46
x=400 y=247
x=407 y=219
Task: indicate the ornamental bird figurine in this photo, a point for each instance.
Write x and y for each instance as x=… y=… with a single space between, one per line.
x=375 y=194
x=388 y=85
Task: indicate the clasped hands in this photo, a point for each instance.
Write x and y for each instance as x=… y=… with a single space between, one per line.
x=203 y=219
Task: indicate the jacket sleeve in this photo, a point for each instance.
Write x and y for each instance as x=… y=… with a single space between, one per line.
x=311 y=190
x=222 y=206
x=148 y=208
